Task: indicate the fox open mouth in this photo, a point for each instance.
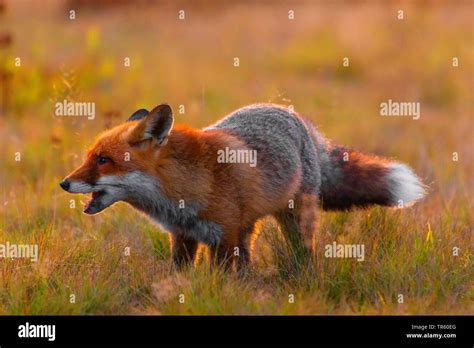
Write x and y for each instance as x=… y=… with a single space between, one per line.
x=92 y=206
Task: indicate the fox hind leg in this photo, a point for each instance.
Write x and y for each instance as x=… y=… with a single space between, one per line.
x=299 y=223
x=308 y=220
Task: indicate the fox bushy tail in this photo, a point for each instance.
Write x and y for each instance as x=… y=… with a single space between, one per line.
x=352 y=179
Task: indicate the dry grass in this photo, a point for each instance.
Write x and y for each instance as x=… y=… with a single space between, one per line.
x=190 y=62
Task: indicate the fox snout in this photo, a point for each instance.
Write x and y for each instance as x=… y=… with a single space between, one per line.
x=95 y=204
x=100 y=198
x=65 y=184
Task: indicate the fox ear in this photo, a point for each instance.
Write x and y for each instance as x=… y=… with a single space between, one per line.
x=137 y=115
x=156 y=125
x=159 y=123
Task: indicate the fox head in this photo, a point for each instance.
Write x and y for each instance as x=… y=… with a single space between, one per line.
x=108 y=173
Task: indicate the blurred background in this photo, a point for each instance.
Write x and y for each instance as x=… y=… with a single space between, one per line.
x=211 y=57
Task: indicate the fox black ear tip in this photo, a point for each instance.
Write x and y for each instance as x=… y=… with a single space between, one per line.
x=165 y=106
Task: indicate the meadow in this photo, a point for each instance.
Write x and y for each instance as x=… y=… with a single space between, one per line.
x=117 y=262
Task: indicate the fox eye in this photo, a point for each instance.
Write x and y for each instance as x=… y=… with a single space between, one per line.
x=102 y=160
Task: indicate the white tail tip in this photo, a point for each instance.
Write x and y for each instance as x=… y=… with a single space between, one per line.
x=405 y=186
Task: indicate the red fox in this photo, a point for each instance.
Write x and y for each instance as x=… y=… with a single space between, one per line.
x=212 y=185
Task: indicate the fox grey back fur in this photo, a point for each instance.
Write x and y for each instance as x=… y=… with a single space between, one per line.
x=283 y=143
x=341 y=177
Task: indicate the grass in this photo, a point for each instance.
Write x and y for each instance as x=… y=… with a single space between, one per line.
x=82 y=258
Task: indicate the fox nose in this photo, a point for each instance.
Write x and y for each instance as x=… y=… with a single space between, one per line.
x=65 y=184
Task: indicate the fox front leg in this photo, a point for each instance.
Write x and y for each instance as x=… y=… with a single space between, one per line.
x=183 y=250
